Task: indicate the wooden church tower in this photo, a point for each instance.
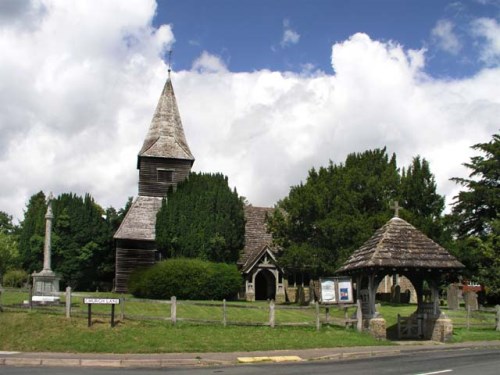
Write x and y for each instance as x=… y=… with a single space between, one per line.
x=163 y=161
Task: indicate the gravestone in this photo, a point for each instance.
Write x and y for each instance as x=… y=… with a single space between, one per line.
x=452 y=295
x=471 y=301
x=396 y=294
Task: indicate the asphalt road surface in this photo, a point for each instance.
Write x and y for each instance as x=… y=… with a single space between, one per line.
x=453 y=362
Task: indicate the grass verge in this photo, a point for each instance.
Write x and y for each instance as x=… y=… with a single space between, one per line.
x=36 y=331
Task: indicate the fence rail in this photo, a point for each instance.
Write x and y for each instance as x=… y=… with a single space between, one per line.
x=221 y=312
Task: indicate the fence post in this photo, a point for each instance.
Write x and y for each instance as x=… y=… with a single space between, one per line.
x=68 y=302
x=359 y=316
x=468 y=317
x=30 y=297
x=271 y=314
x=327 y=315
x=497 y=308
x=318 y=323
x=224 y=316
x=122 y=308
x=173 y=309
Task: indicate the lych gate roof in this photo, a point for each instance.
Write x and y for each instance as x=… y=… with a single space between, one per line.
x=140 y=221
x=257 y=237
x=398 y=244
x=165 y=138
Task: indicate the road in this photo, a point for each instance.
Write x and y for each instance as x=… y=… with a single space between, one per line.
x=453 y=362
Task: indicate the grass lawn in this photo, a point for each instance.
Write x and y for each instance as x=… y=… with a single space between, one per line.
x=35 y=331
x=41 y=330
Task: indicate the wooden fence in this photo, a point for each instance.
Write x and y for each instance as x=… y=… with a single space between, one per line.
x=216 y=312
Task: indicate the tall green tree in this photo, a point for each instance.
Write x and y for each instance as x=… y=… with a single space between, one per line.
x=322 y=221
x=478 y=205
x=203 y=219
x=422 y=205
x=475 y=218
x=31 y=233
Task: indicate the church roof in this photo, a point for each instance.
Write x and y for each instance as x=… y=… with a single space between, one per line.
x=398 y=244
x=140 y=221
x=165 y=138
x=257 y=237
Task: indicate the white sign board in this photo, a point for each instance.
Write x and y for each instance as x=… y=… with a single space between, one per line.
x=328 y=294
x=101 y=301
x=334 y=290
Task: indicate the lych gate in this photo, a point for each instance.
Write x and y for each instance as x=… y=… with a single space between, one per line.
x=399 y=248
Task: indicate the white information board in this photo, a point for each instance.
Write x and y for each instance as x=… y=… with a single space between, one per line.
x=335 y=290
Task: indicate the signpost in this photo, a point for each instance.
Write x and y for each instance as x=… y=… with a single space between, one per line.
x=101 y=301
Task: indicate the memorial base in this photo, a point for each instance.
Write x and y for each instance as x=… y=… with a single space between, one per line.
x=45 y=287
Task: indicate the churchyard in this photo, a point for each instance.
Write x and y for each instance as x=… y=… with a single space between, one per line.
x=146 y=326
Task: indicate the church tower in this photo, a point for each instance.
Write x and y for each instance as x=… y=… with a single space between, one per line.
x=163 y=161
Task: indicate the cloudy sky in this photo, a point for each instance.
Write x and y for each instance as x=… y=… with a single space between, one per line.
x=267 y=89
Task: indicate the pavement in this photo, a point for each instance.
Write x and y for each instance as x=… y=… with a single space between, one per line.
x=227 y=359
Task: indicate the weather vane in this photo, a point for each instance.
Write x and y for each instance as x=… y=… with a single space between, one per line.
x=169 y=62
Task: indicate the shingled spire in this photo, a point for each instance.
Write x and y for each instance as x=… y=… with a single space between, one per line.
x=165 y=138
x=165 y=158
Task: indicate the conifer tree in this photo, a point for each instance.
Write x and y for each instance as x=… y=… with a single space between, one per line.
x=202 y=219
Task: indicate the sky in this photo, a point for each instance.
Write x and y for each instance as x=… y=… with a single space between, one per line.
x=266 y=89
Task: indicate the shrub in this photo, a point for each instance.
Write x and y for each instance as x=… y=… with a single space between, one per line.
x=186 y=279
x=15 y=278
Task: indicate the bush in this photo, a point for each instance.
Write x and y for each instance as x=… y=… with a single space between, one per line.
x=15 y=278
x=186 y=279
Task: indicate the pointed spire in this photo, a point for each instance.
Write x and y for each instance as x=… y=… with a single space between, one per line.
x=165 y=138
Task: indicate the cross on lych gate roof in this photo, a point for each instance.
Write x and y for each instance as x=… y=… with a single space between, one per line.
x=395 y=205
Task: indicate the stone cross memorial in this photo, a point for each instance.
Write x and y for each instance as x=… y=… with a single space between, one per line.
x=46 y=282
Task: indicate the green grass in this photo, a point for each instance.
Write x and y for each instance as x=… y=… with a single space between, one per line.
x=42 y=332
x=47 y=329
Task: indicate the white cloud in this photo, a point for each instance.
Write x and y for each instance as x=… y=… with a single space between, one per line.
x=444 y=35
x=289 y=36
x=489 y=29
x=208 y=63
x=78 y=91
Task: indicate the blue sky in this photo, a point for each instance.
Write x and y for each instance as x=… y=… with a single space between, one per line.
x=266 y=89
x=248 y=35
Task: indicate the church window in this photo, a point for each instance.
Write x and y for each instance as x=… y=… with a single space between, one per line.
x=165 y=175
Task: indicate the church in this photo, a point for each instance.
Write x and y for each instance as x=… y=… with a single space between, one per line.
x=163 y=161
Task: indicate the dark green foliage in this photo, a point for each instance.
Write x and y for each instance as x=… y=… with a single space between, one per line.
x=31 y=233
x=6 y=225
x=9 y=252
x=82 y=240
x=341 y=206
x=475 y=219
x=186 y=279
x=15 y=278
x=478 y=205
x=422 y=206
x=202 y=219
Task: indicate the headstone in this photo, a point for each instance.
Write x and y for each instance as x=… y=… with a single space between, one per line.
x=452 y=297
x=471 y=301
x=396 y=294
